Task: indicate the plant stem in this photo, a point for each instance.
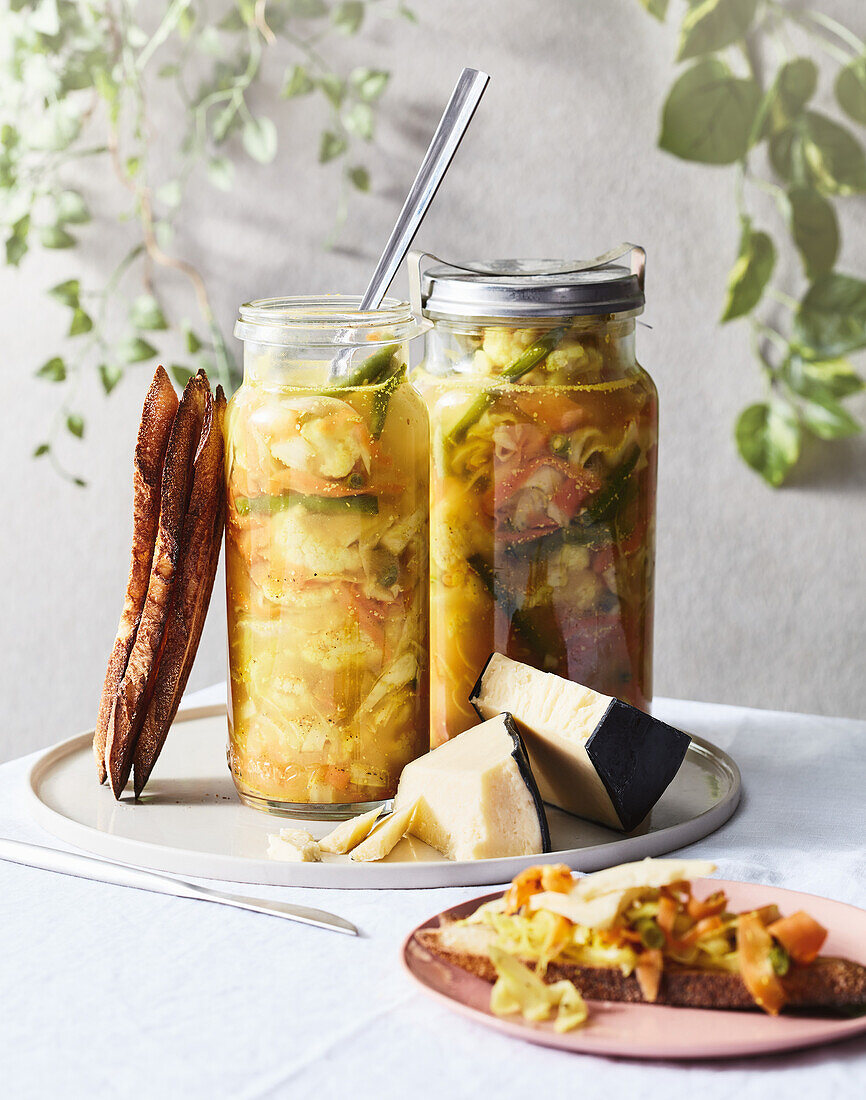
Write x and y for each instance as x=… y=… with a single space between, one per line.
x=783 y=299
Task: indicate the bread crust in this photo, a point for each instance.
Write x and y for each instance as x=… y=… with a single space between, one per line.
x=199 y=557
x=133 y=694
x=160 y=407
x=828 y=983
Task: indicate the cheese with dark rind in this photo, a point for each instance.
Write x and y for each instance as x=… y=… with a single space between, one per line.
x=476 y=795
x=591 y=755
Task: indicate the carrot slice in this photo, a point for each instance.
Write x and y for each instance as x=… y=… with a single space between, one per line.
x=667 y=915
x=648 y=972
x=754 y=944
x=709 y=907
x=801 y=936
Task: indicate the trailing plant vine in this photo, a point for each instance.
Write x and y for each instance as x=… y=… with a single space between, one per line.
x=731 y=106
x=76 y=81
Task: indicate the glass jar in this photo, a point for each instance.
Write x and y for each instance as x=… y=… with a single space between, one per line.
x=544 y=433
x=326 y=557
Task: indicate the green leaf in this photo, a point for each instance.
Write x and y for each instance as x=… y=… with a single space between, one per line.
x=67 y=293
x=298 y=82
x=232 y=21
x=815 y=230
x=334 y=88
x=221 y=173
x=146 y=313
x=656 y=8
x=75 y=425
x=831 y=320
x=359 y=177
x=109 y=376
x=359 y=120
x=711 y=25
x=828 y=420
x=81 y=322
x=835 y=377
x=16 y=242
x=260 y=139
x=768 y=439
x=331 y=146
x=193 y=344
x=788 y=156
x=135 y=350
x=133 y=166
x=53 y=371
x=71 y=209
x=709 y=113
x=369 y=83
x=850 y=89
x=821 y=380
x=795 y=84
x=168 y=71
x=55 y=236
x=180 y=374
x=349 y=16
x=170 y=194
x=41 y=450
x=834 y=156
x=750 y=274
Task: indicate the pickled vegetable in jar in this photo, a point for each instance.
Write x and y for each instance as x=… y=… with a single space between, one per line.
x=326 y=557
x=544 y=434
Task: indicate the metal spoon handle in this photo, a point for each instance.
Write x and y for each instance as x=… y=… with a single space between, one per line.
x=449 y=133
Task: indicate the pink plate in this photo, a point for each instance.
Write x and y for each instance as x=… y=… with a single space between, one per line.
x=650 y=1031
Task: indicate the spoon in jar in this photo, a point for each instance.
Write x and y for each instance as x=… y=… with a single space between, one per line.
x=449 y=133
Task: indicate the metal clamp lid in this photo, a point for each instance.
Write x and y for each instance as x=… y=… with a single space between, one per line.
x=522 y=288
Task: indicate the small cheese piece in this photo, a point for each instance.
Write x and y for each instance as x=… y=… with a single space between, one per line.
x=293 y=846
x=591 y=755
x=476 y=796
x=349 y=834
x=595 y=901
x=385 y=836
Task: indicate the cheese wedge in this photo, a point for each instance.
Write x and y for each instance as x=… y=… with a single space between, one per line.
x=591 y=755
x=349 y=834
x=385 y=836
x=293 y=846
x=475 y=795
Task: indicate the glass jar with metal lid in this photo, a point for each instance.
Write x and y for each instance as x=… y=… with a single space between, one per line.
x=326 y=557
x=544 y=434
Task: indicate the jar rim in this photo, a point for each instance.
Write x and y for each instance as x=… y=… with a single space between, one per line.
x=326 y=319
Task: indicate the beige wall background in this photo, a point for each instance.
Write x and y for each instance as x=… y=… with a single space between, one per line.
x=760 y=594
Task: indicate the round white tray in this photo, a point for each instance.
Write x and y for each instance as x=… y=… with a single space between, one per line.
x=190 y=822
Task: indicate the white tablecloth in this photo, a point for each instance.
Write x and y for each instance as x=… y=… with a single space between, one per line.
x=109 y=991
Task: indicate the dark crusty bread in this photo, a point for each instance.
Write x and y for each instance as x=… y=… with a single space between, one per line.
x=827 y=983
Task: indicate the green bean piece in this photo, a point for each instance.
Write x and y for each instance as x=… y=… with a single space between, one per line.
x=381 y=400
x=523 y=364
x=780 y=960
x=650 y=933
x=608 y=498
x=372 y=368
x=518 y=618
x=267 y=505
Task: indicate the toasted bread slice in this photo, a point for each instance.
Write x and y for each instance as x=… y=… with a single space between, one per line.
x=827 y=983
x=133 y=694
x=202 y=539
x=157 y=417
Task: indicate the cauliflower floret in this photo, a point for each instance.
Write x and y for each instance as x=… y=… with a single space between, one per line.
x=566 y=559
x=504 y=345
x=456 y=532
x=326 y=545
x=320 y=435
